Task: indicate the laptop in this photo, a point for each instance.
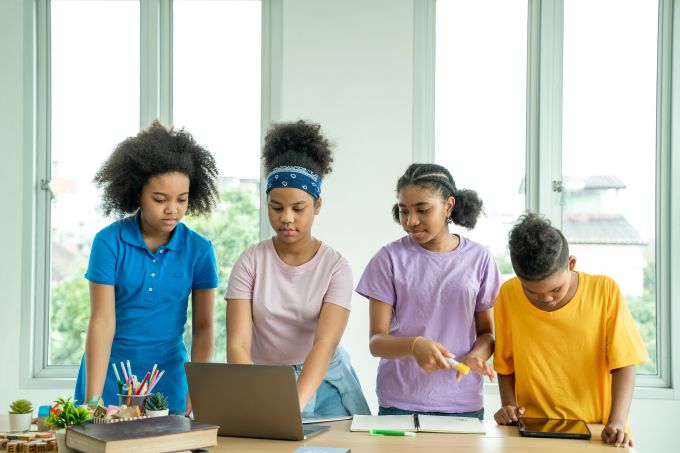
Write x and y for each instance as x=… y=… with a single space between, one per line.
x=258 y=401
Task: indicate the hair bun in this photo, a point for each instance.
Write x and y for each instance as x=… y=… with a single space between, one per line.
x=297 y=143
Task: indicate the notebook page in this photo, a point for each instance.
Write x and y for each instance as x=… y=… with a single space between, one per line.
x=448 y=424
x=389 y=422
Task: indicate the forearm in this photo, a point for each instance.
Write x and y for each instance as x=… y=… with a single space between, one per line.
x=391 y=347
x=202 y=344
x=97 y=354
x=506 y=387
x=623 y=382
x=314 y=369
x=483 y=346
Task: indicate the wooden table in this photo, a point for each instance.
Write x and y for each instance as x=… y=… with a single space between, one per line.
x=497 y=439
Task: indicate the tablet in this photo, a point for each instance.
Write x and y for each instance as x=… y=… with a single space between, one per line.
x=552 y=427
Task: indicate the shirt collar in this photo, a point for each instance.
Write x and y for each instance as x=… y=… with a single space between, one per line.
x=132 y=233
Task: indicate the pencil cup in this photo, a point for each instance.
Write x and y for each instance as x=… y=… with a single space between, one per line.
x=132 y=400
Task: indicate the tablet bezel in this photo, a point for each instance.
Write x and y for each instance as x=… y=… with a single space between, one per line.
x=561 y=435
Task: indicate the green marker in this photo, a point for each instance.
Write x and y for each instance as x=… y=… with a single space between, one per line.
x=388 y=432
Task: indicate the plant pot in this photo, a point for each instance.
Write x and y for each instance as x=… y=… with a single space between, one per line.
x=20 y=422
x=160 y=413
x=61 y=442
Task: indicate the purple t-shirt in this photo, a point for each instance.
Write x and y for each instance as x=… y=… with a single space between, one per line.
x=435 y=295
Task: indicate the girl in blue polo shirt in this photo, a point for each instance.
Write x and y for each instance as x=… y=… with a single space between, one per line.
x=143 y=267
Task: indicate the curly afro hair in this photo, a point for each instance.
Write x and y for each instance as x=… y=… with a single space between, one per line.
x=468 y=205
x=537 y=249
x=155 y=151
x=299 y=144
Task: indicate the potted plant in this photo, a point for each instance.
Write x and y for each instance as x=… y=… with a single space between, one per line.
x=63 y=414
x=156 y=405
x=20 y=415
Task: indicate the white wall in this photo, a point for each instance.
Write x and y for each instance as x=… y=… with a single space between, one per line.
x=348 y=64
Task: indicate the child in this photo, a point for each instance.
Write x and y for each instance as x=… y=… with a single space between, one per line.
x=289 y=296
x=566 y=344
x=431 y=298
x=143 y=268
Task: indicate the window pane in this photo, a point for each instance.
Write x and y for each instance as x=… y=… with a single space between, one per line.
x=480 y=109
x=608 y=148
x=216 y=96
x=94 y=104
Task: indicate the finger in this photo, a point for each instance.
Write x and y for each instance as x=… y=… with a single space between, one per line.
x=620 y=435
x=520 y=411
x=458 y=376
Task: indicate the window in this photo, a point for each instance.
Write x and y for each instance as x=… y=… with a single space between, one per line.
x=94 y=92
x=595 y=118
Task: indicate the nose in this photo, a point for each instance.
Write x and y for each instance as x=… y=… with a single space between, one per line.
x=412 y=219
x=286 y=216
x=171 y=207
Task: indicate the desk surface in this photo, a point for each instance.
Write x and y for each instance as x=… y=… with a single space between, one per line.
x=497 y=439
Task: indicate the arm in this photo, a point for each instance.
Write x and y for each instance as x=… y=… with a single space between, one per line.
x=332 y=322
x=509 y=412
x=429 y=354
x=623 y=381
x=239 y=330
x=202 y=331
x=100 y=331
x=482 y=349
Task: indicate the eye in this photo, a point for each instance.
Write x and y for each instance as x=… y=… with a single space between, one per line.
x=403 y=212
x=183 y=200
x=557 y=290
x=422 y=210
x=276 y=208
x=298 y=209
x=159 y=200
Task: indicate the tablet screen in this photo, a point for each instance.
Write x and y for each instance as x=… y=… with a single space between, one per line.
x=550 y=427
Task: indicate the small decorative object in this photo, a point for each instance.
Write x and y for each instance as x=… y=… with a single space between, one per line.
x=63 y=414
x=20 y=415
x=156 y=405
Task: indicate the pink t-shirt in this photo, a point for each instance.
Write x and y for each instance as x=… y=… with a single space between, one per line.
x=287 y=299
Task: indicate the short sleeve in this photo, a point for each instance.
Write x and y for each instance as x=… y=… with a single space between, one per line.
x=489 y=283
x=340 y=286
x=503 y=358
x=205 y=272
x=242 y=278
x=377 y=281
x=101 y=267
x=624 y=344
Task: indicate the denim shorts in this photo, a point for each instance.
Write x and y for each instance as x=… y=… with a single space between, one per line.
x=396 y=411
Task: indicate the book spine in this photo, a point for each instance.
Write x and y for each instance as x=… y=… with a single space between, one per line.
x=416 y=422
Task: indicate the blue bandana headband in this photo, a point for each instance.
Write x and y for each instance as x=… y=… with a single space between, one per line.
x=295 y=177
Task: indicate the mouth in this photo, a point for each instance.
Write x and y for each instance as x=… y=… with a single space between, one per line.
x=288 y=231
x=417 y=234
x=169 y=221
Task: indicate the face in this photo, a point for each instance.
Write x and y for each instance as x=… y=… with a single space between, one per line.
x=291 y=213
x=423 y=214
x=163 y=202
x=553 y=292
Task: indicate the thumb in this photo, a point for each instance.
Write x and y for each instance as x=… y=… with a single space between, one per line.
x=520 y=410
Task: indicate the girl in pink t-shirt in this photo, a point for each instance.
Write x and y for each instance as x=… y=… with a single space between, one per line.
x=289 y=296
x=431 y=299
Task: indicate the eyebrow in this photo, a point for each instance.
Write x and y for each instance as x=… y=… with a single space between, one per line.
x=165 y=194
x=301 y=202
x=420 y=203
x=534 y=292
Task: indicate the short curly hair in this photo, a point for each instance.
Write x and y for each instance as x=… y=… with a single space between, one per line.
x=299 y=144
x=468 y=205
x=537 y=249
x=154 y=151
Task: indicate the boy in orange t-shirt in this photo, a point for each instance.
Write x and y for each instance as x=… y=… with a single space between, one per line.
x=566 y=344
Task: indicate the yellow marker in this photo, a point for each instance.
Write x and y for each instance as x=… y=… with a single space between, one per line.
x=461 y=367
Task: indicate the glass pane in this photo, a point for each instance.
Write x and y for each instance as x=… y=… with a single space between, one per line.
x=608 y=148
x=480 y=110
x=216 y=97
x=94 y=104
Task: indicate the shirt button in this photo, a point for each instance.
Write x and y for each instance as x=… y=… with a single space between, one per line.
x=161 y=251
x=150 y=289
x=154 y=260
x=153 y=274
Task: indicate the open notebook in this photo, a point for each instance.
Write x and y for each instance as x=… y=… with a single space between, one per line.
x=418 y=422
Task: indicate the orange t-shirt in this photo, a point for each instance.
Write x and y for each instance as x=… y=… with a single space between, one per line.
x=563 y=359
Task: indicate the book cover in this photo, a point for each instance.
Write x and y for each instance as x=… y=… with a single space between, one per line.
x=156 y=434
x=419 y=423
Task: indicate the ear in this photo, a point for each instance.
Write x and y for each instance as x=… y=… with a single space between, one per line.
x=449 y=205
x=572 y=262
x=317 y=205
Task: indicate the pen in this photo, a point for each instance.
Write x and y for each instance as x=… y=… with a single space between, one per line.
x=122 y=367
x=156 y=381
x=463 y=368
x=389 y=432
x=115 y=371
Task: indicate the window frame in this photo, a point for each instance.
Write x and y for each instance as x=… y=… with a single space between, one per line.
x=155 y=102
x=545 y=37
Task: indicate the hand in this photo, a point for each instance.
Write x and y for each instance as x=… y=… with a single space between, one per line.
x=615 y=434
x=430 y=354
x=509 y=414
x=477 y=365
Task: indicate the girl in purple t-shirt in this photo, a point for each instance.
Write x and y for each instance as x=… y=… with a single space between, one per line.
x=431 y=298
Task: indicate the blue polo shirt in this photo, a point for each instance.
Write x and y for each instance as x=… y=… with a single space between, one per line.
x=152 y=291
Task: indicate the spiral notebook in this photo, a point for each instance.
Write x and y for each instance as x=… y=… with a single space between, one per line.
x=419 y=423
